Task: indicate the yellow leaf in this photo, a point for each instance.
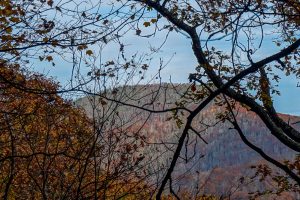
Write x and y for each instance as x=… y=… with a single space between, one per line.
x=153 y=20
x=89 y=52
x=146 y=24
x=8 y=29
x=45 y=39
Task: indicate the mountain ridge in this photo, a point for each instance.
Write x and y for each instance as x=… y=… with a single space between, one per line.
x=224 y=152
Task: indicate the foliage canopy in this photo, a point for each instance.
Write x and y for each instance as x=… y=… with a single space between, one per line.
x=78 y=32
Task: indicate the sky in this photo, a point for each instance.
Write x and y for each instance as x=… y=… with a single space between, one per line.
x=179 y=62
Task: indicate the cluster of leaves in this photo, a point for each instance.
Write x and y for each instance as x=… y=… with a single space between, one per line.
x=10 y=16
x=47 y=146
x=282 y=183
x=57 y=154
x=42 y=137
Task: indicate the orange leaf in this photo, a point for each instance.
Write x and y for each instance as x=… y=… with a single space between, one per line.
x=49 y=58
x=146 y=24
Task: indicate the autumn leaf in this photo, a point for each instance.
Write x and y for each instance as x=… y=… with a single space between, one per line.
x=102 y=102
x=81 y=47
x=49 y=58
x=54 y=43
x=50 y=2
x=14 y=19
x=146 y=24
x=8 y=29
x=153 y=20
x=89 y=52
x=45 y=39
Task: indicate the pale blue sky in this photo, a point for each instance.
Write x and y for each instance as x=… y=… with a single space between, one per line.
x=177 y=50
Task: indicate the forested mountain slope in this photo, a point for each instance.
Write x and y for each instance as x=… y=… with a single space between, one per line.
x=214 y=166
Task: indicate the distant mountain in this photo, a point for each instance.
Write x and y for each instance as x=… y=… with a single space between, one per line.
x=215 y=167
